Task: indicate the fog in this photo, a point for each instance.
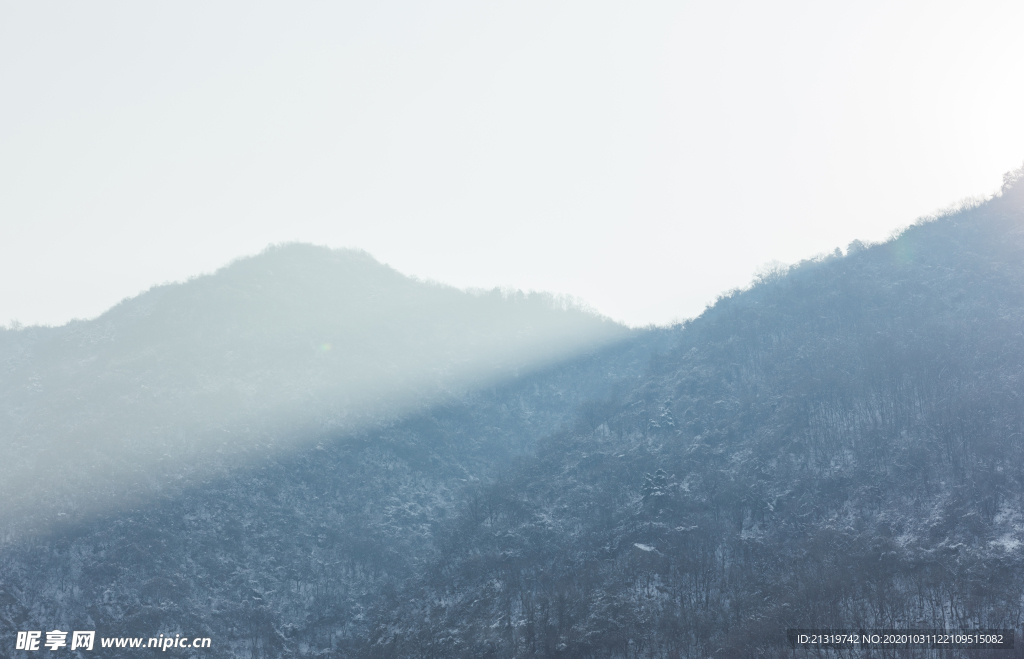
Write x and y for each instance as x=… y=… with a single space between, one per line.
x=300 y=344
x=644 y=157
x=350 y=329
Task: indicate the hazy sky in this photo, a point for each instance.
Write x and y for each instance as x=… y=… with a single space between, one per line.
x=643 y=156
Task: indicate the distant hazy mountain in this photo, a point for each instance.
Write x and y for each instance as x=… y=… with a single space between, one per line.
x=189 y=379
x=840 y=445
x=257 y=455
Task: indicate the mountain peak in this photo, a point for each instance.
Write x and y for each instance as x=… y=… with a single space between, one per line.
x=280 y=344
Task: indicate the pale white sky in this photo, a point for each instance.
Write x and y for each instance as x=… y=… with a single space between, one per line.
x=643 y=156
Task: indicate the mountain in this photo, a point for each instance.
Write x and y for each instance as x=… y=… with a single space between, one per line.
x=293 y=426
x=188 y=381
x=841 y=445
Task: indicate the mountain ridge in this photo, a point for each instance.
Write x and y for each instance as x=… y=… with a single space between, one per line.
x=839 y=446
x=264 y=353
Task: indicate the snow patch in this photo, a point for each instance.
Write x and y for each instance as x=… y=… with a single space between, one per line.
x=905 y=539
x=1007 y=542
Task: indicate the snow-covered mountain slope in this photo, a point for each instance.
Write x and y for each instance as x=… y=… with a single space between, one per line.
x=841 y=446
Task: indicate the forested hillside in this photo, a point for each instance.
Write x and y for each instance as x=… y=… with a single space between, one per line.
x=840 y=445
x=255 y=456
x=289 y=558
